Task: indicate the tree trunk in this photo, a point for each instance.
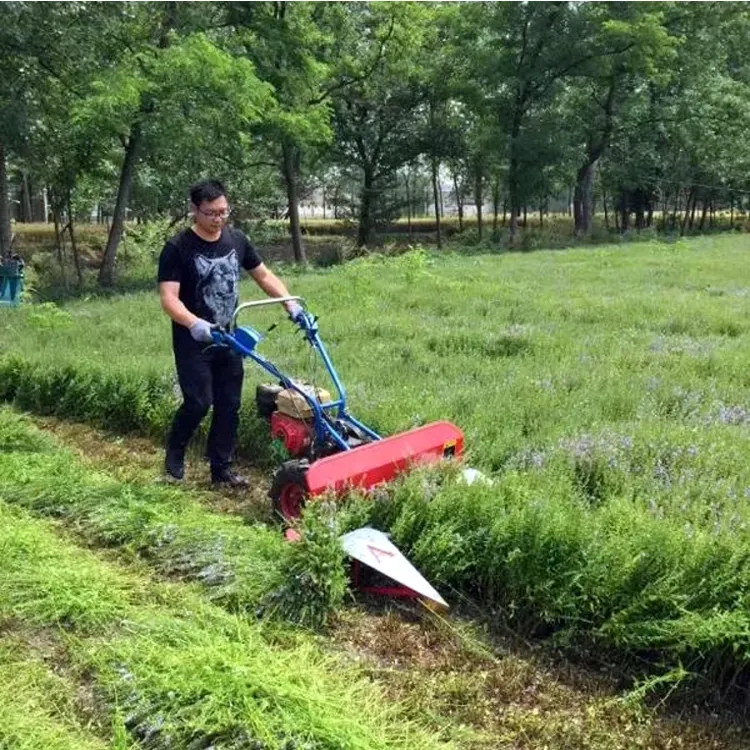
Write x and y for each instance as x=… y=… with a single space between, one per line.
x=624 y=211
x=640 y=220
x=459 y=203
x=513 y=188
x=440 y=195
x=703 y=214
x=691 y=196
x=436 y=196
x=408 y=205
x=583 y=199
x=127 y=177
x=495 y=206
x=59 y=242
x=664 y=205
x=604 y=203
x=541 y=215
x=74 y=244
x=26 y=198
x=5 y=230
x=364 y=232
x=479 y=200
x=291 y=170
x=675 y=207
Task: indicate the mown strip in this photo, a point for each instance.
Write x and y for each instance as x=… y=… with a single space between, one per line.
x=237 y=564
x=182 y=672
x=244 y=568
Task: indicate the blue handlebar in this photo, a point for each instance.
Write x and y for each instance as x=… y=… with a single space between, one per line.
x=244 y=340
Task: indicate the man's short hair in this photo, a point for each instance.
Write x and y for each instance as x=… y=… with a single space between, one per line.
x=206 y=190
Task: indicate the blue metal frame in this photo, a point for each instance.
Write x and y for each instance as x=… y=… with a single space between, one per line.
x=244 y=341
x=11 y=283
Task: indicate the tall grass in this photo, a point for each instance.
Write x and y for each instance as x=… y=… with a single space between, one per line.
x=624 y=579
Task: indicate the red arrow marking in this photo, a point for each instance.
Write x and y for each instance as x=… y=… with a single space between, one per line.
x=376 y=550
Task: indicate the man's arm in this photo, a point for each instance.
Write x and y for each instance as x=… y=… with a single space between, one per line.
x=271 y=284
x=169 y=293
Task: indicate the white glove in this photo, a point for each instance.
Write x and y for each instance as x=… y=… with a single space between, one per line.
x=294 y=311
x=201 y=331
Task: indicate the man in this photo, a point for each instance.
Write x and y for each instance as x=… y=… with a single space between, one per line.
x=199 y=272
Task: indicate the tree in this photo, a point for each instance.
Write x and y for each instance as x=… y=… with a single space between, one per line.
x=524 y=54
x=287 y=43
x=681 y=137
x=18 y=101
x=374 y=118
x=633 y=50
x=165 y=83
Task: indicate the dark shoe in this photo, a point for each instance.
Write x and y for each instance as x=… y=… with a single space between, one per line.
x=229 y=478
x=174 y=464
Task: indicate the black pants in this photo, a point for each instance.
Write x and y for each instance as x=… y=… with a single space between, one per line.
x=211 y=376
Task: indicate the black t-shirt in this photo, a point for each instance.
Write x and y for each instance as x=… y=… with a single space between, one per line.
x=208 y=273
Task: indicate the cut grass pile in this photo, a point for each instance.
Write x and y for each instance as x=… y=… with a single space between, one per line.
x=237 y=564
x=242 y=567
x=39 y=706
x=175 y=671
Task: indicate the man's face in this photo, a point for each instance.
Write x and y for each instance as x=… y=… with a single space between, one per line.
x=211 y=215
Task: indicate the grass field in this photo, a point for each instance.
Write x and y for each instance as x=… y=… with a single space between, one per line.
x=60 y=604
x=604 y=389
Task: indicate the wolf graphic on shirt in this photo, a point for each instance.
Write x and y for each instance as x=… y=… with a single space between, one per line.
x=216 y=292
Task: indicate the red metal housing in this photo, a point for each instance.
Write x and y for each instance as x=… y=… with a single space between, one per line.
x=296 y=434
x=381 y=461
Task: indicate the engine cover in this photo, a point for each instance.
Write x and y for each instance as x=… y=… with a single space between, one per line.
x=296 y=434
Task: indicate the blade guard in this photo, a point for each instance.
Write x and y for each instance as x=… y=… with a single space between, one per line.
x=374 y=549
x=381 y=461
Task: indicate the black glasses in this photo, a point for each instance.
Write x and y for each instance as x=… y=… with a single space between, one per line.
x=217 y=214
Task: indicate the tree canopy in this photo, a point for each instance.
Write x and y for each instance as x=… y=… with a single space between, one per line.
x=118 y=107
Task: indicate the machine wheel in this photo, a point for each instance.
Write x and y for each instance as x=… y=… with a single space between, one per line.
x=289 y=489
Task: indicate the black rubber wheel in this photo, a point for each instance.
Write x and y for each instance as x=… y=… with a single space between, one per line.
x=289 y=489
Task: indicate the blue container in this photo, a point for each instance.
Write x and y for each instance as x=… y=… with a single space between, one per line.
x=11 y=283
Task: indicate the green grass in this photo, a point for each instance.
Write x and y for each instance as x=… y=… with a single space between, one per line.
x=520 y=349
x=603 y=388
x=175 y=671
x=40 y=706
x=243 y=567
